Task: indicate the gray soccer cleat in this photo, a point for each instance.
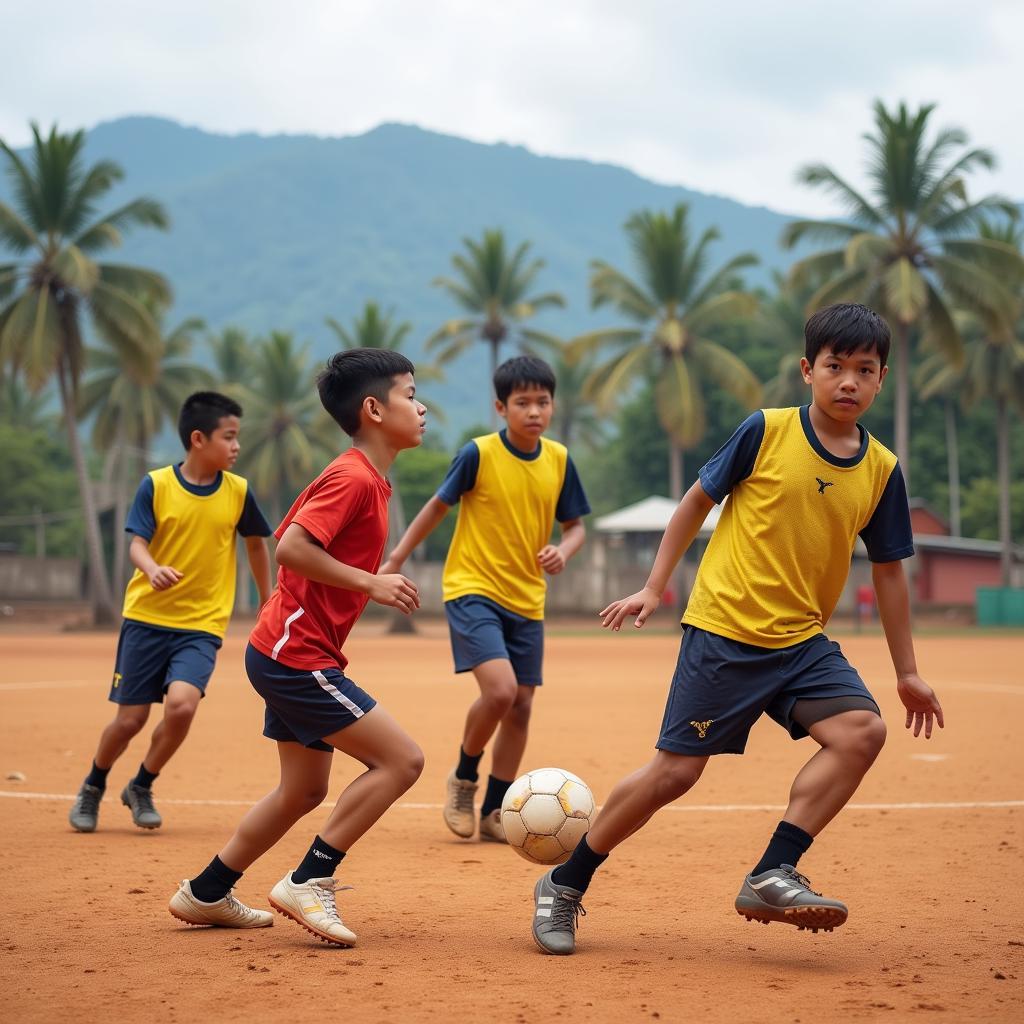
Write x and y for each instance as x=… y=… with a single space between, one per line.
x=556 y=912
x=139 y=801
x=86 y=809
x=784 y=895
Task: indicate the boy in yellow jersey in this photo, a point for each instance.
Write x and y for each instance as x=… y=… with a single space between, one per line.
x=803 y=484
x=511 y=488
x=177 y=604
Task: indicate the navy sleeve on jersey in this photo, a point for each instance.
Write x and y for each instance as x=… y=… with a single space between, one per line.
x=572 y=501
x=461 y=475
x=734 y=461
x=141 y=519
x=252 y=522
x=889 y=535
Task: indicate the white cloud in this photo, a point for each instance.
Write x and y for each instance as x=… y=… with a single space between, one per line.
x=723 y=97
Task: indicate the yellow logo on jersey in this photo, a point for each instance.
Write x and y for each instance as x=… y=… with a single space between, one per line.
x=117 y=679
x=702 y=727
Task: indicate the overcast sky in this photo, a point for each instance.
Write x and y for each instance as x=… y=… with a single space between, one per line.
x=724 y=96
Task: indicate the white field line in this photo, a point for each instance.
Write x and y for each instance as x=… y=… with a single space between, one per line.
x=678 y=808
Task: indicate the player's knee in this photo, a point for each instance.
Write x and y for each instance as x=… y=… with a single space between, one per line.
x=179 y=713
x=306 y=798
x=675 y=778
x=502 y=699
x=129 y=723
x=519 y=713
x=410 y=765
x=864 y=738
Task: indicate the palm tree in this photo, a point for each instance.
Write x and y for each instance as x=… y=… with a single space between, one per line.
x=376 y=329
x=936 y=377
x=131 y=396
x=994 y=369
x=675 y=307
x=54 y=231
x=905 y=248
x=493 y=288
x=286 y=444
x=781 y=319
x=232 y=356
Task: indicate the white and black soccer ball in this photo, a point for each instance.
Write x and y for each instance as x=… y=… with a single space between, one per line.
x=545 y=813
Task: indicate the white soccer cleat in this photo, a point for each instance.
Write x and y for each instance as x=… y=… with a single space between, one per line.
x=458 y=812
x=312 y=905
x=225 y=913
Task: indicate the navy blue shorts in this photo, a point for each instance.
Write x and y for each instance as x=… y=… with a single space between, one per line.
x=149 y=659
x=721 y=687
x=481 y=630
x=304 y=706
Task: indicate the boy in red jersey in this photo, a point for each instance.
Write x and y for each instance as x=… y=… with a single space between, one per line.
x=330 y=548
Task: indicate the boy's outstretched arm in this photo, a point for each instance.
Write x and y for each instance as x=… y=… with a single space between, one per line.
x=894 y=610
x=299 y=551
x=553 y=557
x=686 y=521
x=259 y=565
x=160 y=576
x=426 y=521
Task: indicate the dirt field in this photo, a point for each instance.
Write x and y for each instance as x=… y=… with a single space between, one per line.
x=929 y=857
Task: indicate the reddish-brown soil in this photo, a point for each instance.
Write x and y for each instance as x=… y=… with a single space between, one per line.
x=935 y=893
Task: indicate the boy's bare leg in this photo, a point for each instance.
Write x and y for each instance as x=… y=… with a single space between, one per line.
x=180 y=704
x=513 y=732
x=850 y=742
x=637 y=797
x=114 y=740
x=498 y=693
x=393 y=762
x=305 y=778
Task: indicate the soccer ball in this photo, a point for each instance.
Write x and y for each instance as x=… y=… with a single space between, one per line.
x=545 y=813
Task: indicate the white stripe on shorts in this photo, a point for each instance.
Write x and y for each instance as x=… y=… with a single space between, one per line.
x=287 y=631
x=357 y=711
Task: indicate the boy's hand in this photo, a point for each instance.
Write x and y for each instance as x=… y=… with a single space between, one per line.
x=551 y=559
x=164 y=576
x=921 y=703
x=643 y=604
x=395 y=591
x=389 y=566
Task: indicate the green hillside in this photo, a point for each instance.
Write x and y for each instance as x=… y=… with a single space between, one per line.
x=281 y=231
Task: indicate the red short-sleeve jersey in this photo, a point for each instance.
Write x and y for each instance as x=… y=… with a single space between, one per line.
x=305 y=624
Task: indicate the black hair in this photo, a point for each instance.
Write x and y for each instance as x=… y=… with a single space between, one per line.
x=203 y=411
x=846 y=327
x=521 y=372
x=354 y=375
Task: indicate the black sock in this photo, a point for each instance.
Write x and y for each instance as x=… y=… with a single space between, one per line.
x=321 y=860
x=214 y=882
x=145 y=778
x=97 y=777
x=468 y=766
x=789 y=843
x=496 y=790
x=579 y=869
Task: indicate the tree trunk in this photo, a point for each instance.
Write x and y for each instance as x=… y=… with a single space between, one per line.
x=103 y=602
x=902 y=405
x=400 y=622
x=675 y=470
x=953 y=467
x=490 y=383
x=120 y=518
x=1003 y=474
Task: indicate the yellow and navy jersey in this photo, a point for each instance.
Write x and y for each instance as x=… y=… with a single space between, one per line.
x=780 y=554
x=191 y=528
x=508 y=503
